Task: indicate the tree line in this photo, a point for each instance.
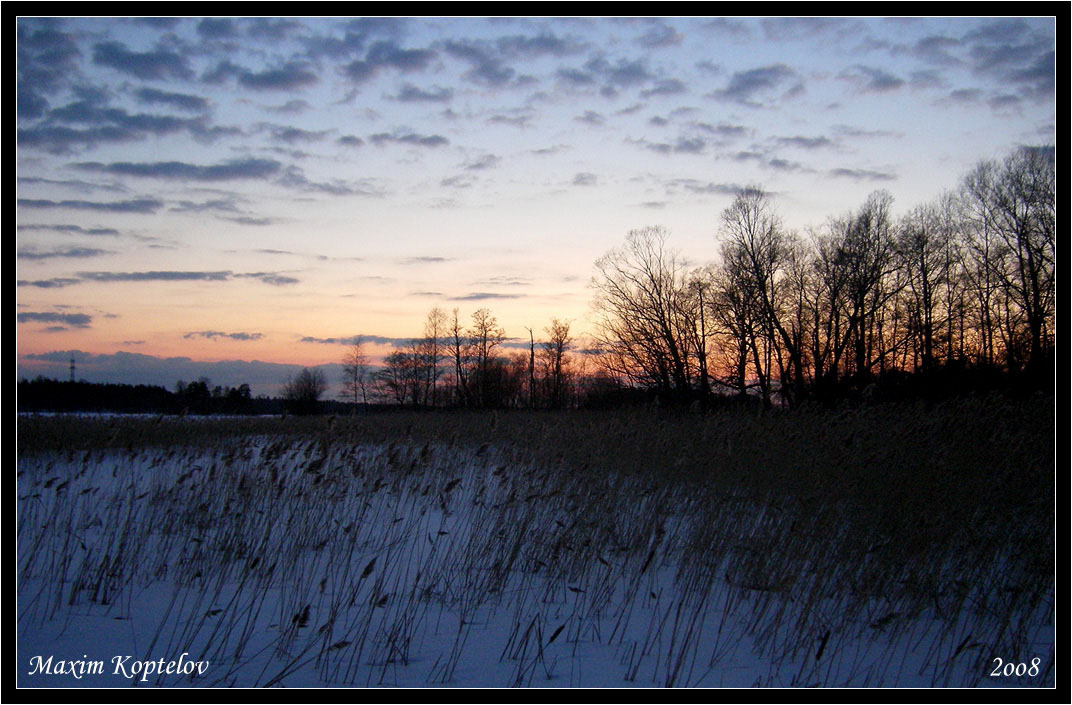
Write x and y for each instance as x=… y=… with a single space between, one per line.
x=199 y=397
x=958 y=293
x=466 y=365
x=966 y=281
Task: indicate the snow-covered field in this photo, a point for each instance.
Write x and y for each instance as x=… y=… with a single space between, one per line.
x=282 y=561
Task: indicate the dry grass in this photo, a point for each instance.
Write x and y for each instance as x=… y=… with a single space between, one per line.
x=838 y=540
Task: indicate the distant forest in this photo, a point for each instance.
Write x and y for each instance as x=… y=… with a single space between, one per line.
x=43 y=394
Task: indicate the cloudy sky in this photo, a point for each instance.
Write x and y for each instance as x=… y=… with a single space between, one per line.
x=233 y=197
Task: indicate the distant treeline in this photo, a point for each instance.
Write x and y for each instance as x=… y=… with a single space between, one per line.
x=200 y=398
x=43 y=394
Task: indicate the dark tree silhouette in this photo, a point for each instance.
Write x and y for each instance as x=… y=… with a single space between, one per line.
x=302 y=393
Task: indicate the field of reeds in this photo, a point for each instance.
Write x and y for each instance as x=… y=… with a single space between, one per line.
x=890 y=545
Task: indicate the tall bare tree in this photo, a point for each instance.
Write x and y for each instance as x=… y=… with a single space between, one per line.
x=356 y=374
x=644 y=323
x=486 y=334
x=459 y=347
x=554 y=355
x=761 y=251
x=1016 y=201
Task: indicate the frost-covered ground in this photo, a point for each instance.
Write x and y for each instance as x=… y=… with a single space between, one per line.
x=296 y=562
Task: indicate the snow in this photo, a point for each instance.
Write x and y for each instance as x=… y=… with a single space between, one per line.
x=283 y=562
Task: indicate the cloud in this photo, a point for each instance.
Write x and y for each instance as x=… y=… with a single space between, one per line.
x=622 y=74
x=181 y=101
x=213 y=334
x=788 y=28
x=584 y=179
x=851 y=131
x=701 y=187
x=409 y=138
x=731 y=27
x=222 y=71
x=667 y=86
x=217 y=28
x=487 y=67
x=487 y=161
x=350 y=141
x=935 y=49
x=806 y=142
x=520 y=121
x=723 y=130
x=58 y=139
x=251 y=220
x=295 y=135
x=387 y=54
x=349 y=340
x=75 y=184
x=683 y=145
x=154 y=276
x=227 y=171
x=965 y=96
x=47 y=58
x=222 y=205
x=426 y=260
x=659 y=36
x=457 y=181
x=78 y=229
x=288 y=77
x=575 y=78
x=484 y=296
x=591 y=117
x=140 y=205
x=70 y=252
x=863 y=174
x=746 y=87
x=294 y=177
x=543 y=44
x=274 y=28
x=76 y=320
x=57 y=283
x=163 y=23
x=95 y=123
x=412 y=94
x=871 y=80
x=273 y=278
x=291 y=107
x=1015 y=53
x=785 y=165
x=153 y=65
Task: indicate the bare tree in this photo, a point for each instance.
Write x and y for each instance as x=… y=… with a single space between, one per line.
x=760 y=250
x=737 y=314
x=486 y=335
x=459 y=347
x=1016 y=201
x=395 y=379
x=355 y=371
x=645 y=324
x=554 y=357
x=922 y=245
x=302 y=392
x=431 y=353
x=701 y=285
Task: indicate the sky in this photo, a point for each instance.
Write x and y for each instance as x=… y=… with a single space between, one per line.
x=235 y=198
